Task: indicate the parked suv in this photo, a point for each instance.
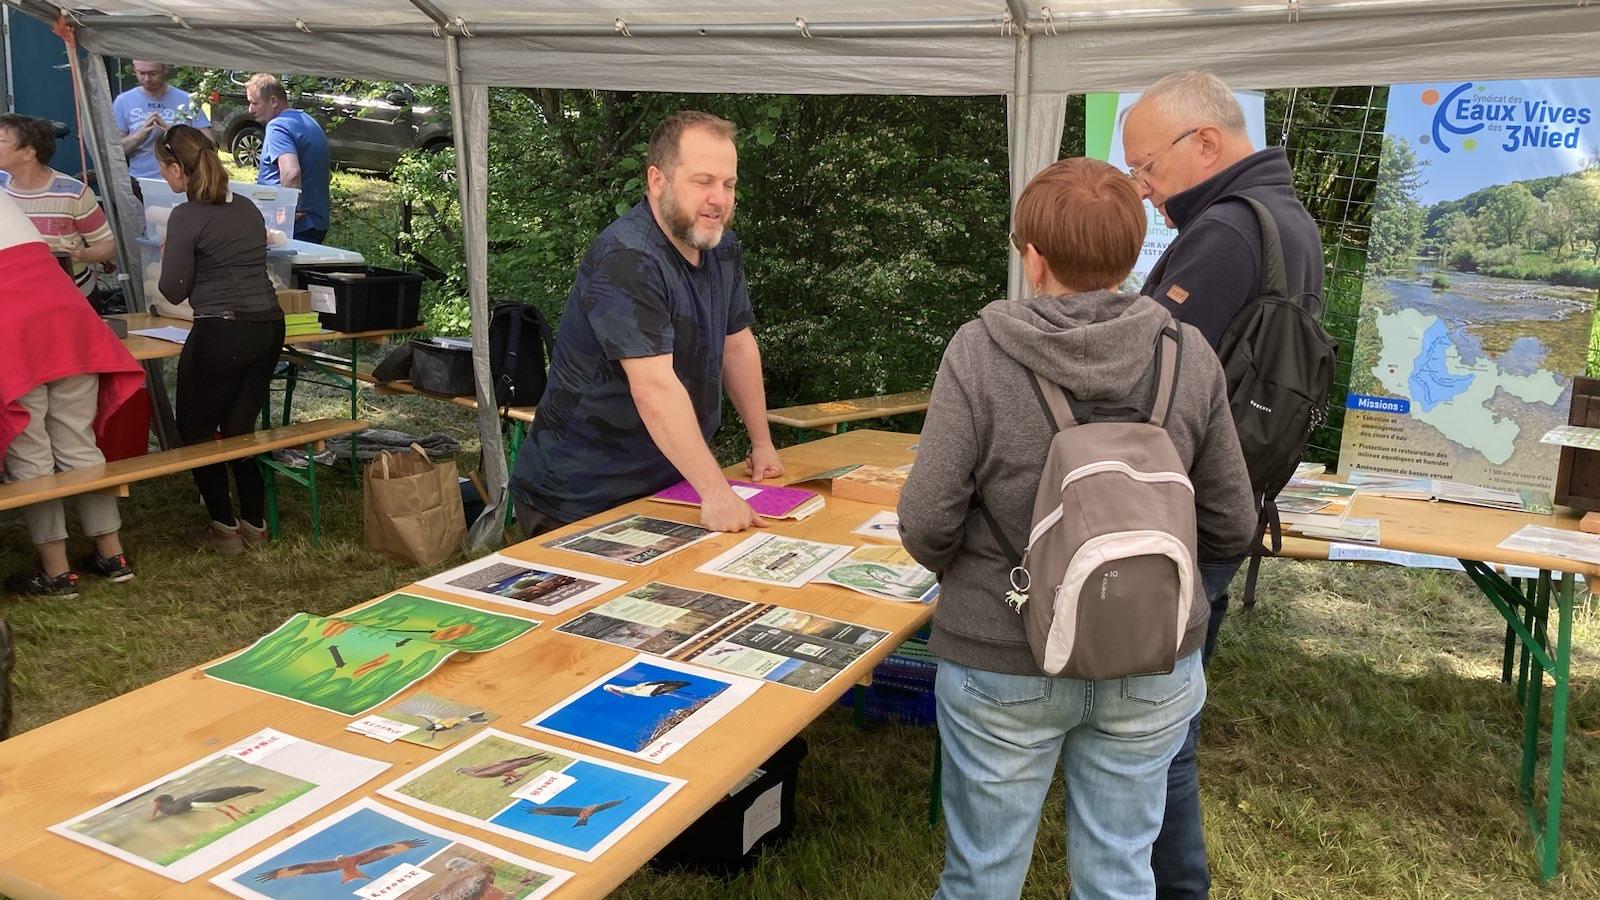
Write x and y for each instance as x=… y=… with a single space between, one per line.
x=368 y=133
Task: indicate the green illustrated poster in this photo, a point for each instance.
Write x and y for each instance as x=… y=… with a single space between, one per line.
x=448 y=624
x=350 y=665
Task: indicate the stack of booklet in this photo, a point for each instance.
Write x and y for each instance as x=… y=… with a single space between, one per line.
x=301 y=323
x=769 y=500
x=1320 y=509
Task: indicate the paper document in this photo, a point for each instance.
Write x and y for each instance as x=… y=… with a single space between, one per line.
x=1354 y=553
x=775 y=559
x=170 y=333
x=1547 y=541
x=1573 y=436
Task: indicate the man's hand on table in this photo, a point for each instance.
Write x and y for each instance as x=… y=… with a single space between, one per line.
x=726 y=511
x=763 y=462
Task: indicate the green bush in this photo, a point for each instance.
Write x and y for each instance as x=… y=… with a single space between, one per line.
x=1441 y=281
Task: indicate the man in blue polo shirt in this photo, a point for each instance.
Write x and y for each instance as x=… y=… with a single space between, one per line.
x=656 y=326
x=294 y=153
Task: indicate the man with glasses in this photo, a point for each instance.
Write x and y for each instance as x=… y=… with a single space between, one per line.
x=1189 y=153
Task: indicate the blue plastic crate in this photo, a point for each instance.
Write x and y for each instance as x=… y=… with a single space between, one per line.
x=887 y=702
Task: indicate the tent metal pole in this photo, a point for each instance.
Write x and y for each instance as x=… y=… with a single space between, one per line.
x=469 y=124
x=1016 y=288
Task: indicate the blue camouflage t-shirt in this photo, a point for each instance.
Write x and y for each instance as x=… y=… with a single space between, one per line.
x=635 y=296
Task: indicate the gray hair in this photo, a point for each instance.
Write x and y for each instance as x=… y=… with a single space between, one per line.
x=1195 y=97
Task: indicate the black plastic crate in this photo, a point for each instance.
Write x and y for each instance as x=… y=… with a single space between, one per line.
x=716 y=842
x=368 y=298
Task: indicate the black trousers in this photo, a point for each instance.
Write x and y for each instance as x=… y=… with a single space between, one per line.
x=223 y=378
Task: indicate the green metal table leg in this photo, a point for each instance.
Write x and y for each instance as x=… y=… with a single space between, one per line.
x=355 y=411
x=517 y=431
x=1530 y=713
x=292 y=376
x=270 y=476
x=1550 y=840
x=316 y=505
x=1508 y=658
x=1530 y=614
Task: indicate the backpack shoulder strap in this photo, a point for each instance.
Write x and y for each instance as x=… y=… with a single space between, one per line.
x=1164 y=387
x=1054 y=400
x=1274 y=281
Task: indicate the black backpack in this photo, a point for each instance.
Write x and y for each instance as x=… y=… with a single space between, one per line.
x=519 y=345
x=1279 y=362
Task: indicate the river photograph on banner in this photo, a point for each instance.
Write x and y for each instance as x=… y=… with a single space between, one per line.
x=1477 y=308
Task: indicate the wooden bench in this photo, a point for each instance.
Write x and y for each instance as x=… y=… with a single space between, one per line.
x=114 y=477
x=829 y=416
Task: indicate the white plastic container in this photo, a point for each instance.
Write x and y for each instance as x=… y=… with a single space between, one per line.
x=280 y=267
x=277 y=205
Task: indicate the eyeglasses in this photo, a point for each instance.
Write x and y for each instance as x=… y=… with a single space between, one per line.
x=1137 y=172
x=1017 y=242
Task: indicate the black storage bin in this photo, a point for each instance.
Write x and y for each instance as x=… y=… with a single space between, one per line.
x=368 y=298
x=443 y=370
x=715 y=843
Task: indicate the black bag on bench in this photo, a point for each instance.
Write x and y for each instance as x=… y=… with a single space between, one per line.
x=444 y=369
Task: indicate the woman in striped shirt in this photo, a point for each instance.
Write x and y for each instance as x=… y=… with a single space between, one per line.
x=61 y=207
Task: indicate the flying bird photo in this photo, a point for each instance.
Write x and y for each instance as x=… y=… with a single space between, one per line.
x=348 y=866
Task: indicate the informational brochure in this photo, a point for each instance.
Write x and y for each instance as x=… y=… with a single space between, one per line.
x=885 y=526
x=425 y=720
x=888 y=573
x=656 y=618
x=535 y=793
x=532 y=587
x=775 y=559
x=1546 y=541
x=370 y=851
x=647 y=709
x=762 y=641
x=350 y=664
x=1573 y=436
x=633 y=540
x=801 y=650
x=204 y=814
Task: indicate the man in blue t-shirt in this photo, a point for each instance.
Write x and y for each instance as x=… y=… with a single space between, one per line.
x=656 y=326
x=294 y=153
x=144 y=114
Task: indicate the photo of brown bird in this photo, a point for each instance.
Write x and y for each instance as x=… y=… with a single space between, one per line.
x=581 y=813
x=507 y=770
x=347 y=865
x=217 y=798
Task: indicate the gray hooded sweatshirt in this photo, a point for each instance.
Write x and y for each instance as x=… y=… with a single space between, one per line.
x=986 y=435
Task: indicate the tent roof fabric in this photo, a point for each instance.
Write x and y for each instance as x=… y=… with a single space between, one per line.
x=944 y=47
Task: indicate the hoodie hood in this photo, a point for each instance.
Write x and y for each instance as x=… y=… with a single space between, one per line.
x=1097 y=345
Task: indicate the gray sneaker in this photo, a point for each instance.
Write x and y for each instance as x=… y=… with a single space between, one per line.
x=216 y=536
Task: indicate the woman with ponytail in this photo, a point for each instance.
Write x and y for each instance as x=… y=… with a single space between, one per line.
x=215 y=257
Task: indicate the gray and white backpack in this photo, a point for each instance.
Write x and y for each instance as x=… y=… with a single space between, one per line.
x=1107 y=580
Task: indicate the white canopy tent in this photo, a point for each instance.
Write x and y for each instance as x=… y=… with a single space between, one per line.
x=1034 y=53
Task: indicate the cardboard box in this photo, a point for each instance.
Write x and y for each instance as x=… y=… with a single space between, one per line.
x=294 y=300
x=871 y=484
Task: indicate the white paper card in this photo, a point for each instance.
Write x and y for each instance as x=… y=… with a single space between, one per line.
x=322 y=299
x=395 y=882
x=544 y=788
x=763 y=815
x=386 y=730
x=745 y=493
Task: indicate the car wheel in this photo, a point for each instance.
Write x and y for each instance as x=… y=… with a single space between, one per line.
x=245 y=148
x=436 y=146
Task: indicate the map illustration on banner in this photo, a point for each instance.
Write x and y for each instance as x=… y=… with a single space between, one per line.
x=1482 y=268
x=1102 y=132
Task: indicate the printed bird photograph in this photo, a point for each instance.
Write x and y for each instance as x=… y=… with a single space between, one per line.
x=184 y=813
x=440 y=722
x=635 y=708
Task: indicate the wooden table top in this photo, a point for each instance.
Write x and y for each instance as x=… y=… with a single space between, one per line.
x=144 y=348
x=63 y=769
x=1455 y=530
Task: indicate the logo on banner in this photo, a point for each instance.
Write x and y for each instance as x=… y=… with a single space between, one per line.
x=1526 y=124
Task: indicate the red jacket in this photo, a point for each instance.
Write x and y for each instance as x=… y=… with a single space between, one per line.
x=48 y=332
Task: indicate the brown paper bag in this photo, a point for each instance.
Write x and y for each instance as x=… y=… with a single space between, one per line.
x=412 y=507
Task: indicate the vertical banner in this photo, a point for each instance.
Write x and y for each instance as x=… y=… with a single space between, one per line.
x=1103 y=140
x=1480 y=288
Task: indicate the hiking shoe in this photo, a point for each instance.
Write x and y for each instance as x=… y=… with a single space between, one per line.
x=254 y=538
x=38 y=584
x=216 y=536
x=116 y=569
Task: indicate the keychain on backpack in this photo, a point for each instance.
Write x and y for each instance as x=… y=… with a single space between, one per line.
x=1017 y=597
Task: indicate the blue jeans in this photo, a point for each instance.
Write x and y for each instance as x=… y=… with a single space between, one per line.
x=1179 y=856
x=1001 y=736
